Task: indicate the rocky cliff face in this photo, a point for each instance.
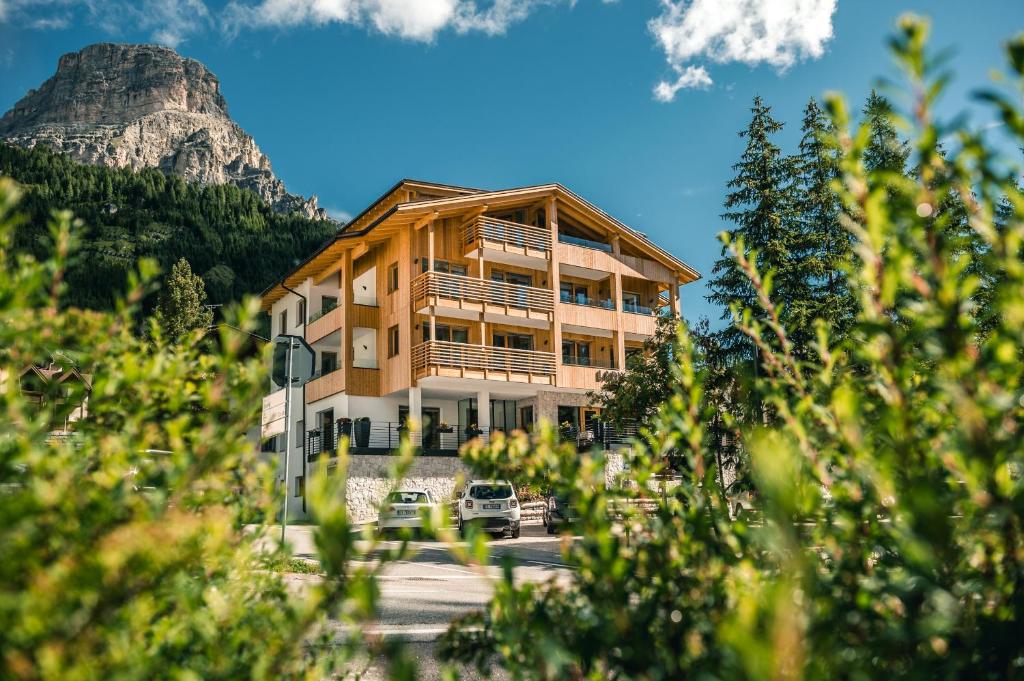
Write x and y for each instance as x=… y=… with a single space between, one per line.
x=145 y=106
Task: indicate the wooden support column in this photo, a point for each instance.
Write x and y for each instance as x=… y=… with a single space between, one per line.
x=673 y=297
x=553 y=278
x=348 y=301
x=620 y=336
x=430 y=268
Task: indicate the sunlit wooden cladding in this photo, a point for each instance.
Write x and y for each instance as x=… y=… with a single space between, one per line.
x=491 y=362
x=488 y=232
x=457 y=287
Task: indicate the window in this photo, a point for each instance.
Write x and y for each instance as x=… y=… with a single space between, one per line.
x=512 y=278
x=301 y=429
x=569 y=416
x=283 y=322
x=445 y=266
x=630 y=298
x=576 y=353
x=513 y=341
x=540 y=219
x=526 y=418
x=457 y=334
x=573 y=293
x=328 y=303
x=300 y=312
x=300 y=485
x=393 y=341
x=269 y=445
x=393 y=278
x=328 y=362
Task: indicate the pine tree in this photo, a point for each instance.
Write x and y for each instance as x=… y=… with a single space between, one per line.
x=886 y=152
x=825 y=244
x=762 y=206
x=181 y=308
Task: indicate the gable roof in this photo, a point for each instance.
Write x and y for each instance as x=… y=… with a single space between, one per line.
x=391 y=211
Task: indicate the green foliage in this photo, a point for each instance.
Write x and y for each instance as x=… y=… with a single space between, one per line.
x=124 y=548
x=762 y=204
x=825 y=247
x=238 y=243
x=180 y=308
x=634 y=395
x=889 y=534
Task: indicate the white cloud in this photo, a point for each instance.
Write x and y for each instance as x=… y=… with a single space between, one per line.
x=688 y=77
x=169 y=22
x=774 y=32
x=418 y=20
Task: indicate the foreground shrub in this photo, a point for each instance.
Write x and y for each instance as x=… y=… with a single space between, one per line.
x=123 y=548
x=888 y=538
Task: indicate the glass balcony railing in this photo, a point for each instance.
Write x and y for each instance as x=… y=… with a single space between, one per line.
x=585 y=243
x=587 y=301
x=596 y=362
x=636 y=308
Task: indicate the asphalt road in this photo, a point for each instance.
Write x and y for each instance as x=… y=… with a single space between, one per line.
x=421 y=595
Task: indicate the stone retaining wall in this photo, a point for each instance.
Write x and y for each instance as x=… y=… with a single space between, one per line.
x=368 y=481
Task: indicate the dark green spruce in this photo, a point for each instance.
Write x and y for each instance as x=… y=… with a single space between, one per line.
x=236 y=242
x=762 y=205
x=824 y=245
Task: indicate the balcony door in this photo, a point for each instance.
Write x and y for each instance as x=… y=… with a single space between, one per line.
x=517 y=297
x=512 y=341
x=576 y=353
x=450 y=334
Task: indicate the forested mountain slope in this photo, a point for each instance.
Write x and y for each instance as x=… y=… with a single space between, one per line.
x=231 y=237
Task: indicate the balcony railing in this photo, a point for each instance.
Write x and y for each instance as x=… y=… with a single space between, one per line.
x=386 y=436
x=598 y=435
x=487 y=229
x=481 y=358
x=637 y=309
x=587 y=301
x=324 y=384
x=456 y=287
x=596 y=362
x=585 y=243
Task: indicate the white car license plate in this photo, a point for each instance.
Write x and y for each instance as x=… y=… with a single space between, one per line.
x=406 y=512
x=492 y=507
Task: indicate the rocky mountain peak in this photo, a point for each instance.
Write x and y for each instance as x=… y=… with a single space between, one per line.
x=142 y=106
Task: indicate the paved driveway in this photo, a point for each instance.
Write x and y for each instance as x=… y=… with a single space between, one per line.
x=421 y=595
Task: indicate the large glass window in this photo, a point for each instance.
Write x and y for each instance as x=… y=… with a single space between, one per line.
x=512 y=278
x=451 y=334
x=328 y=303
x=328 y=362
x=445 y=266
x=576 y=353
x=513 y=341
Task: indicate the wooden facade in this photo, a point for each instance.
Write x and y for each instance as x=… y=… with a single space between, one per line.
x=488 y=286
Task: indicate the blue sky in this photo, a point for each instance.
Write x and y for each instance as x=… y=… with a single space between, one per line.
x=348 y=99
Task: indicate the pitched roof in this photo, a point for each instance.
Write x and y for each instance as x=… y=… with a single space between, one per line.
x=389 y=210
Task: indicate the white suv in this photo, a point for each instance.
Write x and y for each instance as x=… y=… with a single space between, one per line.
x=491 y=504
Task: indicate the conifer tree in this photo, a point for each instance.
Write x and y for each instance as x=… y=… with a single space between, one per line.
x=886 y=152
x=825 y=245
x=181 y=308
x=762 y=207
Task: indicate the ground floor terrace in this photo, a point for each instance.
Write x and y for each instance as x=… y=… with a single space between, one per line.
x=445 y=413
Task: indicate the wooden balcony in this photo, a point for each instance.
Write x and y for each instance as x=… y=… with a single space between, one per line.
x=638 y=325
x=508 y=242
x=462 y=360
x=325 y=386
x=327 y=324
x=458 y=294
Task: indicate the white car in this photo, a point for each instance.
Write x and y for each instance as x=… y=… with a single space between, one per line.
x=491 y=504
x=403 y=509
